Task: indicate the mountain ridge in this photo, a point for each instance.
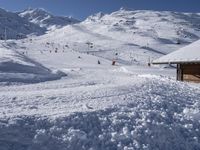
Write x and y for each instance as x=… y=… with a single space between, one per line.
x=135 y=36
x=43 y=18
x=16 y=27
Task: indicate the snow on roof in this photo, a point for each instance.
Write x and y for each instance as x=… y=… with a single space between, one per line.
x=190 y=53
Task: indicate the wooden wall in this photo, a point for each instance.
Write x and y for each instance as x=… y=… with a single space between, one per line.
x=188 y=72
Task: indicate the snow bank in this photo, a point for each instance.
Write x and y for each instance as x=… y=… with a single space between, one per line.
x=15 y=67
x=157 y=119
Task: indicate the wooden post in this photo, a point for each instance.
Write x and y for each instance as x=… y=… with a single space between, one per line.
x=178 y=72
x=179 y=76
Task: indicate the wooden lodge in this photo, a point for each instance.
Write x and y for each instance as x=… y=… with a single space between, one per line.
x=188 y=72
x=187 y=60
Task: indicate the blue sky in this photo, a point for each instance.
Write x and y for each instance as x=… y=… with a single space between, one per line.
x=80 y=9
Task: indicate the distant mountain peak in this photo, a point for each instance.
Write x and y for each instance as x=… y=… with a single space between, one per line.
x=125 y=9
x=45 y=19
x=17 y=27
x=30 y=9
x=96 y=16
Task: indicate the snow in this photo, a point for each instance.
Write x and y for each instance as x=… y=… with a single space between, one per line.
x=130 y=113
x=15 y=67
x=99 y=106
x=190 y=53
x=41 y=17
x=156 y=30
x=17 y=27
x=131 y=34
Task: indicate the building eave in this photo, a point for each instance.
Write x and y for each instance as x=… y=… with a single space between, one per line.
x=176 y=62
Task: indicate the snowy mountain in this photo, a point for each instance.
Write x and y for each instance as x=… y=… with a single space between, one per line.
x=16 y=27
x=147 y=28
x=100 y=106
x=95 y=17
x=43 y=18
x=29 y=22
x=131 y=37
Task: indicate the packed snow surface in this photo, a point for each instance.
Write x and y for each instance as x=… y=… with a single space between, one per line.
x=110 y=110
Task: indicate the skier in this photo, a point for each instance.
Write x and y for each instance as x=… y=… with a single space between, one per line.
x=99 y=62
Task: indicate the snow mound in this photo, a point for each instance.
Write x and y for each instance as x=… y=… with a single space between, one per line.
x=15 y=67
x=159 y=119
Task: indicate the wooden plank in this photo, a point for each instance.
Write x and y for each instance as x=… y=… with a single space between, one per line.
x=191 y=77
x=191 y=72
x=178 y=72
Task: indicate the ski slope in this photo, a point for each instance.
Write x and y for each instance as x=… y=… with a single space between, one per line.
x=97 y=106
x=85 y=102
x=16 y=67
x=131 y=37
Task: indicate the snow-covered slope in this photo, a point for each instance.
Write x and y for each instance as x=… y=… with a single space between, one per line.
x=101 y=109
x=99 y=106
x=147 y=28
x=130 y=37
x=16 y=27
x=16 y=67
x=44 y=19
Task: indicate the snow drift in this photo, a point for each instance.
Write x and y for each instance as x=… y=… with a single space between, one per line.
x=153 y=120
x=16 y=67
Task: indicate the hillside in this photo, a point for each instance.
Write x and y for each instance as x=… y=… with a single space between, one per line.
x=97 y=106
x=43 y=18
x=17 y=27
x=94 y=105
x=15 y=67
x=131 y=37
x=147 y=28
